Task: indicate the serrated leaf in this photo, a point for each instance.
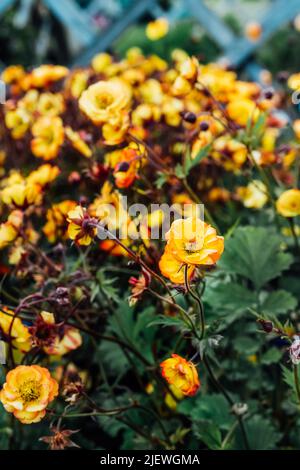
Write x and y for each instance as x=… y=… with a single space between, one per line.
x=278 y=302
x=261 y=434
x=255 y=253
x=209 y=433
x=229 y=298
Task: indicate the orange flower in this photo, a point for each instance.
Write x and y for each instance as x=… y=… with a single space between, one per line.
x=181 y=374
x=45 y=75
x=192 y=241
x=21 y=195
x=81 y=227
x=173 y=269
x=9 y=229
x=48 y=133
x=288 y=203
x=27 y=392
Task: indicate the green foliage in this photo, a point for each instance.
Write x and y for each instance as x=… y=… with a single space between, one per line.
x=255 y=254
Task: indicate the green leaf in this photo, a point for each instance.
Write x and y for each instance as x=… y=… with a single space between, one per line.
x=179 y=171
x=278 y=302
x=213 y=407
x=209 y=433
x=273 y=355
x=255 y=253
x=161 y=180
x=229 y=298
x=261 y=434
x=190 y=163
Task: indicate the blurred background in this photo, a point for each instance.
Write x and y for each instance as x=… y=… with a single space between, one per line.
x=252 y=35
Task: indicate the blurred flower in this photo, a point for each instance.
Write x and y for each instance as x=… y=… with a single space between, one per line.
x=44 y=76
x=288 y=203
x=77 y=142
x=44 y=175
x=18 y=121
x=57 y=225
x=27 y=392
x=254 y=195
x=157 y=29
x=48 y=137
x=21 y=195
x=253 y=30
x=104 y=100
x=181 y=374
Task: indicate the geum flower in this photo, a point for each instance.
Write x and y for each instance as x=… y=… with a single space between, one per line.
x=22 y=195
x=105 y=100
x=48 y=137
x=82 y=227
x=288 y=203
x=191 y=243
x=27 y=392
x=14 y=330
x=181 y=374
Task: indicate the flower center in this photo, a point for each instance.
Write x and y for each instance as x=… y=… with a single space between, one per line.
x=193 y=245
x=103 y=101
x=30 y=390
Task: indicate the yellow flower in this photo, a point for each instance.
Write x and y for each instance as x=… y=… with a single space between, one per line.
x=13 y=73
x=242 y=111
x=81 y=227
x=157 y=29
x=173 y=269
x=115 y=130
x=13 y=327
x=104 y=100
x=181 y=374
x=70 y=341
x=294 y=81
x=44 y=75
x=8 y=234
x=108 y=208
x=101 y=61
x=288 y=203
x=77 y=82
x=170 y=401
x=192 y=241
x=18 y=121
x=44 y=175
x=50 y=104
x=78 y=143
x=21 y=195
x=231 y=153
x=56 y=225
x=254 y=195
x=48 y=133
x=27 y=392
x=9 y=229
